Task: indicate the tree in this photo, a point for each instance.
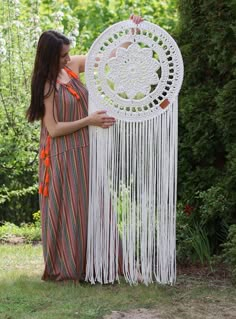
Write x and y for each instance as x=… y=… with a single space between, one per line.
x=207 y=134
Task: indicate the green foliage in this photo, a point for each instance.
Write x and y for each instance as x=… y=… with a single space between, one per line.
x=184 y=252
x=207 y=116
x=29 y=232
x=213 y=204
x=193 y=244
x=96 y=16
x=37 y=219
x=16 y=204
x=18 y=140
x=201 y=229
x=200 y=244
x=230 y=249
x=20 y=28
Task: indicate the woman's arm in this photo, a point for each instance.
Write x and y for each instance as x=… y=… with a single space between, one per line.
x=56 y=128
x=77 y=62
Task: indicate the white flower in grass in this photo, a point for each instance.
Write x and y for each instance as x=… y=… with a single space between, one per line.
x=35 y=19
x=72 y=39
x=18 y=24
x=6 y=26
x=37 y=30
x=60 y=28
x=3 y=51
x=35 y=34
x=35 y=2
x=75 y=32
x=58 y=16
x=15 y=2
x=21 y=34
x=73 y=43
x=2 y=41
x=17 y=12
x=69 y=17
x=133 y=70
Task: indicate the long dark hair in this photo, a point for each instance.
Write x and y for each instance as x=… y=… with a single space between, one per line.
x=46 y=68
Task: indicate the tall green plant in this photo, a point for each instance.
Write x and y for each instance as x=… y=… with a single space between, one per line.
x=229 y=252
x=200 y=244
x=193 y=244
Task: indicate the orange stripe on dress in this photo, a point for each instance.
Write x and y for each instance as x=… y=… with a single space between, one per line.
x=41 y=188
x=44 y=155
x=68 y=85
x=71 y=73
x=72 y=91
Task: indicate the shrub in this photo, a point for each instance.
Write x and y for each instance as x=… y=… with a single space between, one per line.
x=191 y=237
x=30 y=232
x=207 y=117
x=229 y=252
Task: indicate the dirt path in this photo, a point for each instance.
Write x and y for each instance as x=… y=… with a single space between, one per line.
x=134 y=314
x=210 y=309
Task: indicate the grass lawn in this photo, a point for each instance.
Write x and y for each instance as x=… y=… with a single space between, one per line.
x=24 y=296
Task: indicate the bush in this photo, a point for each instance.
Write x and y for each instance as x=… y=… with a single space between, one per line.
x=207 y=117
x=191 y=237
x=20 y=27
x=29 y=232
x=229 y=253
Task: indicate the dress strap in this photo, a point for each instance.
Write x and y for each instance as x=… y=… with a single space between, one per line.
x=68 y=85
x=71 y=73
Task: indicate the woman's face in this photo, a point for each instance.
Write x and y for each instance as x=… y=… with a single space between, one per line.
x=64 y=56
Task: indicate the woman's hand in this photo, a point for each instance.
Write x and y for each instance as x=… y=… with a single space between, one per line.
x=136 y=19
x=100 y=119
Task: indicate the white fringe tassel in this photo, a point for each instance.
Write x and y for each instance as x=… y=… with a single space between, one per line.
x=132 y=200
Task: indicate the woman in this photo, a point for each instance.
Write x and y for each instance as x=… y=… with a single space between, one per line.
x=60 y=101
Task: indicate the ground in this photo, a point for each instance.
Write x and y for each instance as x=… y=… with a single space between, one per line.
x=199 y=293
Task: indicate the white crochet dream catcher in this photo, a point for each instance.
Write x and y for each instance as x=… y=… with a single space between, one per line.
x=135 y=74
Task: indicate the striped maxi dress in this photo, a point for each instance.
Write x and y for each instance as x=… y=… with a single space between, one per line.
x=63 y=178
